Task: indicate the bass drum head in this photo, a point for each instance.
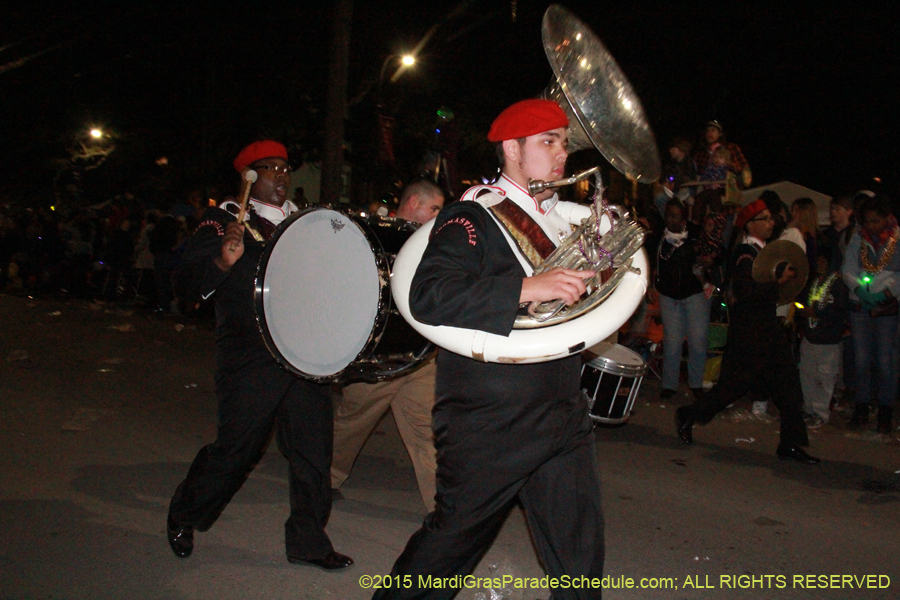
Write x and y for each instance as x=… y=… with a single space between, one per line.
x=317 y=293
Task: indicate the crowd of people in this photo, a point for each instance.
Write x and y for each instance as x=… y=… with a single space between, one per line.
x=120 y=251
x=841 y=328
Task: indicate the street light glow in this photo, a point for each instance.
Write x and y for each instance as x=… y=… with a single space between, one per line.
x=408 y=60
x=96 y=133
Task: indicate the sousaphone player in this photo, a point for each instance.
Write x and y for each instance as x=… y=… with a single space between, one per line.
x=504 y=431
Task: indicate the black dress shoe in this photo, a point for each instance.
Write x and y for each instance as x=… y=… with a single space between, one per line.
x=331 y=562
x=684 y=424
x=795 y=452
x=181 y=538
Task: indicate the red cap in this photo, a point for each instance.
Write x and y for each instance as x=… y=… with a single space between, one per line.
x=258 y=151
x=528 y=117
x=748 y=212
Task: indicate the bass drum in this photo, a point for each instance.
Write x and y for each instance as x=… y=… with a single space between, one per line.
x=323 y=299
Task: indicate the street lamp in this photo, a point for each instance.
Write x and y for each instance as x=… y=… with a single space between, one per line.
x=96 y=133
x=406 y=61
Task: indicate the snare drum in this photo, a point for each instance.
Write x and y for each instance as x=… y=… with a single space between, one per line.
x=323 y=299
x=612 y=381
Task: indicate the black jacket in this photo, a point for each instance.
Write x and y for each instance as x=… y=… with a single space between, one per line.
x=674 y=268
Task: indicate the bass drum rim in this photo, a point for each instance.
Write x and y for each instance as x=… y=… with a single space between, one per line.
x=363 y=367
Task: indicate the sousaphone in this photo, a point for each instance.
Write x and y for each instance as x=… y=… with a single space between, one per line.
x=604 y=112
x=603 y=109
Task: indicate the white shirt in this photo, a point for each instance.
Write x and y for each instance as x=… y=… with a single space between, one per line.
x=269 y=212
x=554 y=216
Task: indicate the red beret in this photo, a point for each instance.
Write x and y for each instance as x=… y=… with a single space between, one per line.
x=748 y=212
x=258 y=151
x=528 y=117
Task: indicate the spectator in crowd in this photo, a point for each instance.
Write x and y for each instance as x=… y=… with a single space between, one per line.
x=300 y=199
x=805 y=219
x=837 y=236
x=859 y=198
x=663 y=191
x=682 y=302
x=716 y=169
x=118 y=259
x=825 y=314
x=713 y=139
x=681 y=166
x=8 y=244
x=871 y=271
x=79 y=237
x=144 y=287
x=711 y=245
x=164 y=240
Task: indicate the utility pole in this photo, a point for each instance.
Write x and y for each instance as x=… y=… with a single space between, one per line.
x=336 y=103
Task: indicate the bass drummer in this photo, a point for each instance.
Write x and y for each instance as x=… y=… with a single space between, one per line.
x=254 y=393
x=505 y=431
x=410 y=397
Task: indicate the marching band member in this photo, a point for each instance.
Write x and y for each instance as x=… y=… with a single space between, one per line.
x=255 y=394
x=505 y=431
x=410 y=397
x=758 y=353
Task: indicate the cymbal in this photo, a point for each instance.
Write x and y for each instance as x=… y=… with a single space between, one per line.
x=774 y=254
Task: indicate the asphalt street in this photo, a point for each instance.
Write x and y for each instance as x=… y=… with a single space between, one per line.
x=102 y=409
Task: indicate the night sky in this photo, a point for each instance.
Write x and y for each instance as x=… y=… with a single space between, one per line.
x=806 y=90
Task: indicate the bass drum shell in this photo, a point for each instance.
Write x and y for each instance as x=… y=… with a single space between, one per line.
x=521 y=346
x=323 y=300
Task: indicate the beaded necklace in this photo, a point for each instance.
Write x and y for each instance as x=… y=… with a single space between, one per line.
x=820 y=294
x=666 y=255
x=886 y=255
x=675 y=237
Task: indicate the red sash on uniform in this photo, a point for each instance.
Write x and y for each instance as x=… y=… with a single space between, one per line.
x=528 y=235
x=260 y=225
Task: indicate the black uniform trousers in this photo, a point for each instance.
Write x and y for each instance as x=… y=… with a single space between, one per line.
x=253 y=399
x=760 y=359
x=492 y=448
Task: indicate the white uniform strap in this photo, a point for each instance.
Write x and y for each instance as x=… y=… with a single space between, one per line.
x=487 y=196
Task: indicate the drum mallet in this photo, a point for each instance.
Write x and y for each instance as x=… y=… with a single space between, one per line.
x=248 y=178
